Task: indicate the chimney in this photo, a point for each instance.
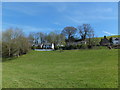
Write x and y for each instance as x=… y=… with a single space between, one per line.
x=104 y=36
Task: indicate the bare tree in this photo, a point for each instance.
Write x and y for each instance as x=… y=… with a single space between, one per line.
x=14 y=42
x=86 y=31
x=55 y=38
x=31 y=38
x=42 y=37
x=37 y=38
x=69 y=32
x=7 y=41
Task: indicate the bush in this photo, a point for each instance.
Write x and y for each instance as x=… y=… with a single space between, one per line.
x=116 y=46
x=38 y=47
x=70 y=47
x=83 y=46
x=56 y=47
x=33 y=47
x=100 y=47
x=90 y=46
x=79 y=46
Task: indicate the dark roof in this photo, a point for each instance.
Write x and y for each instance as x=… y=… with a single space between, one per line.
x=76 y=40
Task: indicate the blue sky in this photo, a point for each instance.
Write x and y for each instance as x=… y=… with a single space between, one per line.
x=51 y=16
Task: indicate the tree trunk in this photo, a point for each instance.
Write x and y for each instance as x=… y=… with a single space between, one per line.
x=89 y=41
x=9 y=52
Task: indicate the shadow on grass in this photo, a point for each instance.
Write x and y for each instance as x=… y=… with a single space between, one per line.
x=8 y=59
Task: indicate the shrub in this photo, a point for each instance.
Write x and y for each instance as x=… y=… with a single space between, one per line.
x=90 y=46
x=83 y=46
x=33 y=48
x=100 y=47
x=78 y=46
x=56 y=47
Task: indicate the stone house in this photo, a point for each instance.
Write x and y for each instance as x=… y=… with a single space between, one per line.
x=116 y=40
x=76 y=42
x=104 y=41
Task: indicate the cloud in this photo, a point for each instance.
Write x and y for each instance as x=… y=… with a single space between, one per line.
x=62 y=9
x=77 y=20
x=27 y=28
x=108 y=33
x=103 y=10
x=56 y=23
x=100 y=13
x=79 y=16
x=28 y=9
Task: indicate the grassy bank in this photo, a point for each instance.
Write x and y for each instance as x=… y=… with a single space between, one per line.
x=68 y=69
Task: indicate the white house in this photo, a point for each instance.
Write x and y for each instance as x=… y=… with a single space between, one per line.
x=47 y=46
x=52 y=46
x=116 y=40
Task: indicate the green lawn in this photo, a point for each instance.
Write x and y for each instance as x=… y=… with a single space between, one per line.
x=68 y=69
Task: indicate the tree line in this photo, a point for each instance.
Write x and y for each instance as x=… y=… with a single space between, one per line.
x=15 y=42
x=85 y=31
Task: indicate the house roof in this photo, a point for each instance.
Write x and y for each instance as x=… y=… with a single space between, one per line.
x=76 y=40
x=116 y=38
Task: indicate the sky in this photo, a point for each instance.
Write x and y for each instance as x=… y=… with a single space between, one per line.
x=54 y=16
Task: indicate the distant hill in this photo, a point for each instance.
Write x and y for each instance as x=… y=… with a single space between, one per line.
x=108 y=37
x=113 y=36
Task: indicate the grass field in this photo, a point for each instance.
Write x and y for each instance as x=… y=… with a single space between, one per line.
x=68 y=69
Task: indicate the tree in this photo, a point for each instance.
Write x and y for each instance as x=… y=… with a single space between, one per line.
x=69 y=32
x=14 y=42
x=55 y=38
x=95 y=41
x=42 y=37
x=51 y=37
x=86 y=31
x=7 y=42
x=111 y=41
x=31 y=38
x=37 y=38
